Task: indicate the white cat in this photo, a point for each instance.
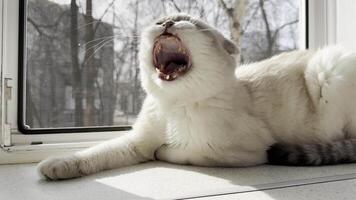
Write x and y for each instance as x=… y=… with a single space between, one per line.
x=297 y=108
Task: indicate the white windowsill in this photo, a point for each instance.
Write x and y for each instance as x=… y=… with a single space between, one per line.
x=53 y=145
x=157 y=180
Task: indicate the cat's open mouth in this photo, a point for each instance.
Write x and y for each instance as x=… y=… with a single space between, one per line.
x=170 y=57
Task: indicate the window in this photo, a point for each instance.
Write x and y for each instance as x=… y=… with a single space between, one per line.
x=80 y=66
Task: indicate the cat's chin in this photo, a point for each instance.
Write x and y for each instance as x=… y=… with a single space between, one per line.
x=171 y=58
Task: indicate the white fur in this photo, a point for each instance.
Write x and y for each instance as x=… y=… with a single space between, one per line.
x=218 y=116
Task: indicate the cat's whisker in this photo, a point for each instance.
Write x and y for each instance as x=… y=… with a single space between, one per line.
x=99 y=43
x=112 y=36
x=102 y=42
x=97 y=39
x=97 y=49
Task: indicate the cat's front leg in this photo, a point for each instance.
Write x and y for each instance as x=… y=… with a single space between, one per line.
x=55 y=168
x=123 y=151
x=137 y=146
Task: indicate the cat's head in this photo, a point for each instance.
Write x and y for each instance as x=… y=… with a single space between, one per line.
x=183 y=59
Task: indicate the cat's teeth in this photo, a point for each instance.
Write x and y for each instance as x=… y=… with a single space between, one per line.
x=175 y=76
x=157 y=70
x=168 y=77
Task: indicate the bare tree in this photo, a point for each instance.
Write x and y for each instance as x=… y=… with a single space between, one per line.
x=91 y=71
x=103 y=74
x=235 y=15
x=76 y=70
x=270 y=41
x=136 y=103
x=270 y=34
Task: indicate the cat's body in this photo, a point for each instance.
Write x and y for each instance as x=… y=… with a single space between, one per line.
x=204 y=112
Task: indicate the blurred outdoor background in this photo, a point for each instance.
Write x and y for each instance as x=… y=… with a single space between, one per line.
x=82 y=65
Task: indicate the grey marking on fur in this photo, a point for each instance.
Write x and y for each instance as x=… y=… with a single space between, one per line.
x=343 y=151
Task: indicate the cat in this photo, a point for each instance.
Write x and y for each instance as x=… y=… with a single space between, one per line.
x=297 y=108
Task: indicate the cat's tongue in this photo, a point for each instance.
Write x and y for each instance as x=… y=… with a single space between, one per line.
x=170 y=57
x=169 y=43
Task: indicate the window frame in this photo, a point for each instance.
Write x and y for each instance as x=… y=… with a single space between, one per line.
x=321 y=23
x=17 y=147
x=22 y=68
x=39 y=145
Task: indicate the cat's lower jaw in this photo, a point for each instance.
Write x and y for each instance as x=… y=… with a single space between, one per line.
x=57 y=168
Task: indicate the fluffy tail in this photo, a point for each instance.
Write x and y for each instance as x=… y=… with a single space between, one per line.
x=313 y=154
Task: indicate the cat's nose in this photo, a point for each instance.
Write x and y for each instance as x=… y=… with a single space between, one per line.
x=168 y=24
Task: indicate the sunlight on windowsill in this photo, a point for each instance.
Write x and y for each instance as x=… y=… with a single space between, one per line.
x=159 y=180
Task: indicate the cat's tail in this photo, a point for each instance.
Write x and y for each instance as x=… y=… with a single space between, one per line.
x=343 y=151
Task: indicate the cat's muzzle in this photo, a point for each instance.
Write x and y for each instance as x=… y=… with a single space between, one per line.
x=171 y=57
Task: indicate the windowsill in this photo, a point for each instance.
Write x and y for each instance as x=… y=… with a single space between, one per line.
x=157 y=180
x=35 y=153
x=53 y=145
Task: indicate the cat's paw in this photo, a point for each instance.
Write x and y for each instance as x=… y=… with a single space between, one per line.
x=57 y=168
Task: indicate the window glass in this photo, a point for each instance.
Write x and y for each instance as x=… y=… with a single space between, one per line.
x=81 y=55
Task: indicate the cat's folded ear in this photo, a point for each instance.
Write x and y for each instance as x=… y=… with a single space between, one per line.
x=230 y=46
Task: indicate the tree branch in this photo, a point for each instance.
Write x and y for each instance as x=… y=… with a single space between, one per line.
x=102 y=16
x=268 y=29
x=282 y=27
x=176 y=6
x=229 y=11
x=249 y=20
x=37 y=27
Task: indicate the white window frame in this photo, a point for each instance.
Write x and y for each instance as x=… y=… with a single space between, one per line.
x=17 y=147
x=322 y=23
x=330 y=23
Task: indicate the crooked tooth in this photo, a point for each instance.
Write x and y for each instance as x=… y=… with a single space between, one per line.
x=159 y=48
